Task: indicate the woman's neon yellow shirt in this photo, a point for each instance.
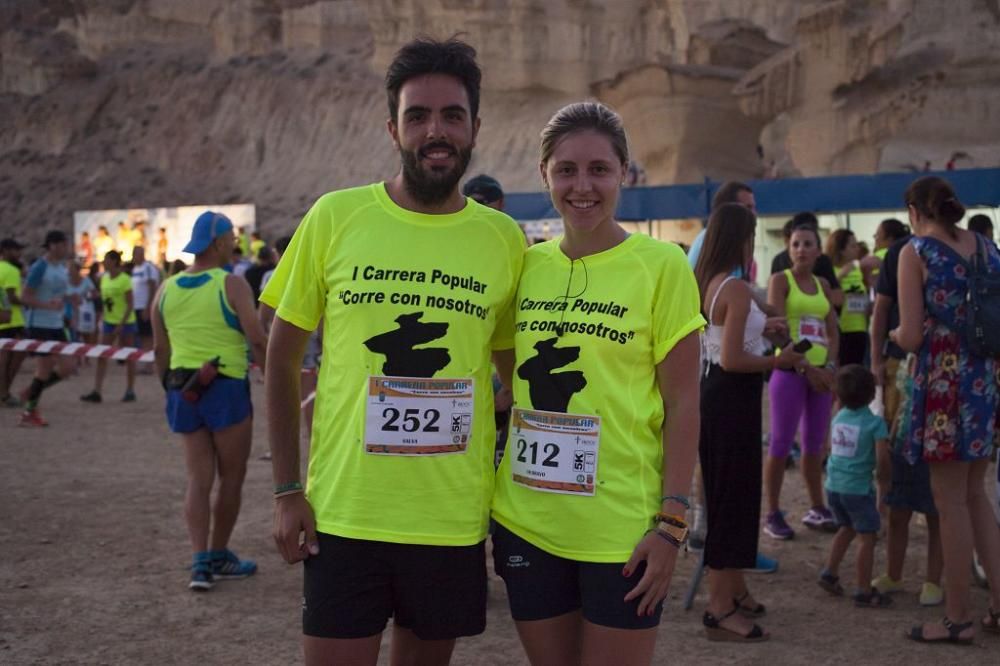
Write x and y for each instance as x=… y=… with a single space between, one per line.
x=359 y=262
x=627 y=307
x=113 y=294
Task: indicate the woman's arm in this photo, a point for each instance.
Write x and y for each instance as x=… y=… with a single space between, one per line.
x=777 y=293
x=832 y=324
x=735 y=303
x=910 y=334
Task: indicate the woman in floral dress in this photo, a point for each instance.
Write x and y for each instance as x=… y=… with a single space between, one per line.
x=954 y=420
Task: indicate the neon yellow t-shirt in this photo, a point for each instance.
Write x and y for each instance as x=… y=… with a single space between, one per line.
x=854 y=315
x=10 y=278
x=113 y=291
x=626 y=308
x=401 y=294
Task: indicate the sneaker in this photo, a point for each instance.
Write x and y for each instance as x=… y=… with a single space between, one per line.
x=93 y=396
x=30 y=418
x=10 y=401
x=887 y=585
x=820 y=518
x=225 y=565
x=764 y=565
x=931 y=595
x=201 y=578
x=776 y=527
x=129 y=396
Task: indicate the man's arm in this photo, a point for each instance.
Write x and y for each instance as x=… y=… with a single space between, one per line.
x=161 y=342
x=241 y=299
x=879 y=330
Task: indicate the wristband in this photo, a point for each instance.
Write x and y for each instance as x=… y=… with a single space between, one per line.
x=292 y=486
x=666 y=537
x=298 y=491
x=670 y=519
x=680 y=499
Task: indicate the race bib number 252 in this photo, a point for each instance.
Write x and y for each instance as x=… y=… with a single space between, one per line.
x=406 y=416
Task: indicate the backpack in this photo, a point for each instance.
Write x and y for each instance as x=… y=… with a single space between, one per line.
x=982 y=323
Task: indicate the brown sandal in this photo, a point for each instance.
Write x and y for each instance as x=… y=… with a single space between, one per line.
x=991 y=623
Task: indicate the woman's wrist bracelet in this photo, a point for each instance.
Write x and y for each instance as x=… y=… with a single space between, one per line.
x=286 y=493
x=666 y=537
x=679 y=499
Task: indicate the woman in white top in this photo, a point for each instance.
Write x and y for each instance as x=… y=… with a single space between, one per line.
x=731 y=429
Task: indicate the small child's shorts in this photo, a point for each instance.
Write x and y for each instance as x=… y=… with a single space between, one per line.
x=855 y=511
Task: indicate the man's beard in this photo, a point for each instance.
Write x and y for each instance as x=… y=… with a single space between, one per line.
x=432 y=188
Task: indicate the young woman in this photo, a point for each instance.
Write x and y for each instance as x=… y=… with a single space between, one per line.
x=592 y=488
x=954 y=417
x=804 y=394
x=118 y=327
x=729 y=446
x=855 y=277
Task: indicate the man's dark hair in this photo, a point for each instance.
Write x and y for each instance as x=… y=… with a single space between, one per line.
x=855 y=386
x=981 y=224
x=427 y=56
x=729 y=192
x=894 y=229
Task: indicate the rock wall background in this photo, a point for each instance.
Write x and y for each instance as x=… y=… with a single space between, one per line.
x=119 y=103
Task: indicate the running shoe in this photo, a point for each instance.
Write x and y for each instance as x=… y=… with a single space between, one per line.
x=764 y=565
x=30 y=418
x=776 y=527
x=931 y=595
x=820 y=518
x=129 y=396
x=93 y=396
x=201 y=578
x=887 y=585
x=10 y=401
x=225 y=565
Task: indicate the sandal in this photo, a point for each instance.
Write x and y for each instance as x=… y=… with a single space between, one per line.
x=954 y=633
x=831 y=583
x=714 y=631
x=873 y=599
x=992 y=623
x=749 y=611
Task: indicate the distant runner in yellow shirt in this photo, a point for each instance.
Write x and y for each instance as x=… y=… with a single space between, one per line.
x=411 y=280
x=591 y=492
x=119 y=326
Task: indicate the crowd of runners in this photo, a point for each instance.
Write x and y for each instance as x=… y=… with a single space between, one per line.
x=556 y=400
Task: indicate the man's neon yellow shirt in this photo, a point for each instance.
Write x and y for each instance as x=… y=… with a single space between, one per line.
x=10 y=278
x=623 y=310
x=113 y=294
x=358 y=262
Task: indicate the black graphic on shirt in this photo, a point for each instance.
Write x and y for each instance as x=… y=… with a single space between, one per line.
x=401 y=359
x=551 y=391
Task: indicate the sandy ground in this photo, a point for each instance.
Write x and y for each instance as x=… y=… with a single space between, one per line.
x=93 y=553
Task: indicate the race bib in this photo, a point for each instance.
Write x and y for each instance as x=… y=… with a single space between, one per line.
x=856 y=304
x=554 y=452
x=844 y=440
x=812 y=329
x=87 y=322
x=410 y=416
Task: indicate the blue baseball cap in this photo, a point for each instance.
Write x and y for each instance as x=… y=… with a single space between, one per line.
x=207 y=228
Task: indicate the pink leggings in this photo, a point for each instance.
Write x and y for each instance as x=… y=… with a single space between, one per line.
x=794 y=402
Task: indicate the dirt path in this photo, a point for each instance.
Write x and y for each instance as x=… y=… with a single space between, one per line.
x=93 y=553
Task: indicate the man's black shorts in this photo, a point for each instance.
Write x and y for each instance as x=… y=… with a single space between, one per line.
x=46 y=334
x=541 y=585
x=14 y=332
x=354 y=586
x=145 y=326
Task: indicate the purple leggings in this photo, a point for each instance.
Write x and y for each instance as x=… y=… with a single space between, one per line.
x=793 y=402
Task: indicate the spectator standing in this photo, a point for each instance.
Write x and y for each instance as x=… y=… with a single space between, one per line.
x=10 y=285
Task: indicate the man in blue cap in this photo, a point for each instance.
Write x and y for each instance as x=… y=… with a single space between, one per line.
x=203 y=319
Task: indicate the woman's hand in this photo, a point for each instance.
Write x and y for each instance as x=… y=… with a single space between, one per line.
x=820 y=379
x=789 y=359
x=776 y=329
x=660 y=558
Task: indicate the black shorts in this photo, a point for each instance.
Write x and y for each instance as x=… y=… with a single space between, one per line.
x=353 y=587
x=145 y=326
x=541 y=585
x=45 y=334
x=16 y=332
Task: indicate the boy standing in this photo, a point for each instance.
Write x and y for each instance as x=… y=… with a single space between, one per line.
x=856 y=435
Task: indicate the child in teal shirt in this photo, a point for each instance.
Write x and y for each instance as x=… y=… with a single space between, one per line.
x=857 y=437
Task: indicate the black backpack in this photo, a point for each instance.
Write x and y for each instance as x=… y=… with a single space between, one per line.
x=982 y=322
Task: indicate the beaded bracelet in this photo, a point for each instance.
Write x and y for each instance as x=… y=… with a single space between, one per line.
x=297 y=491
x=680 y=499
x=670 y=519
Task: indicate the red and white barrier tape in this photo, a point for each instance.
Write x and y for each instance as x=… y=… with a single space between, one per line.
x=79 y=349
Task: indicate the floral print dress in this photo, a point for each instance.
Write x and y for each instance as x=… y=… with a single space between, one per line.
x=955 y=393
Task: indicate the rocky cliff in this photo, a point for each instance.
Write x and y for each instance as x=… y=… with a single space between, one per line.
x=117 y=103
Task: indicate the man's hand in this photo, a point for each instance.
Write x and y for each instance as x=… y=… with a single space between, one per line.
x=295 y=528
